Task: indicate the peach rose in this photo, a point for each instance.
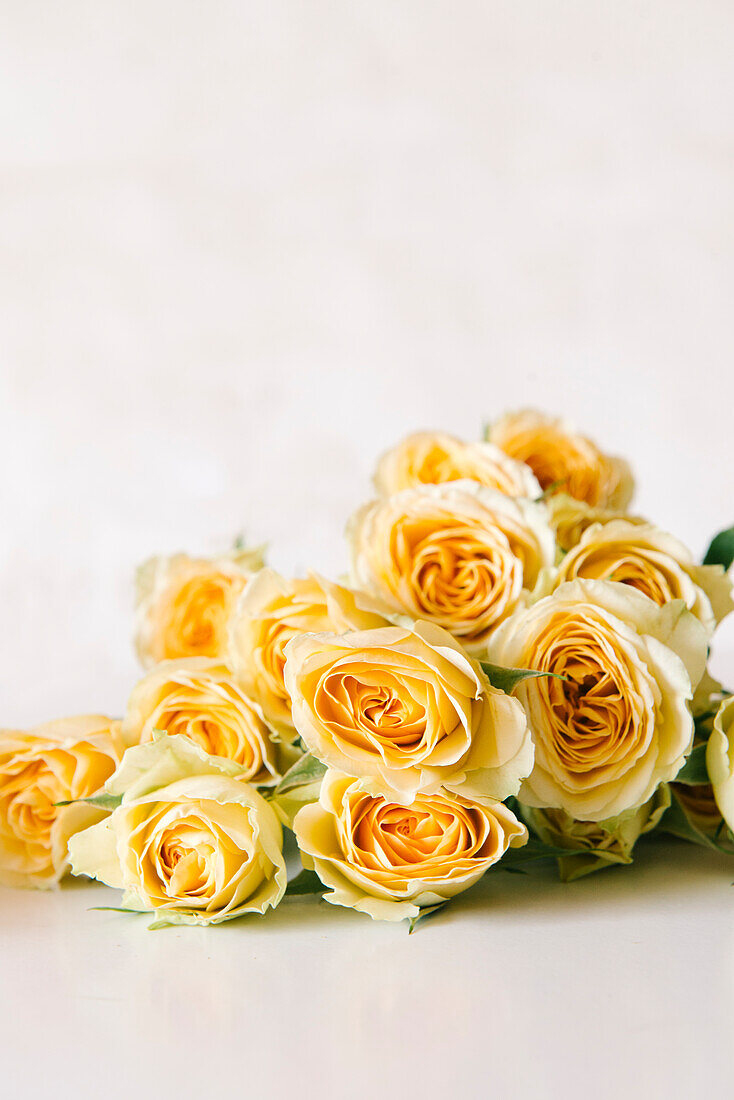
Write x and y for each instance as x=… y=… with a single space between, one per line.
x=190 y=841
x=431 y=458
x=557 y=455
x=184 y=604
x=271 y=612
x=409 y=709
x=61 y=761
x=459 y=555
x=654 y=563
x=391 y=860
x=199 y=699
x=619 y=723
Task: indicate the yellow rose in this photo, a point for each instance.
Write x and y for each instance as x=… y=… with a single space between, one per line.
x=619 y=724
x=191 y=841
x=271 y=612
x=431 y=458
x=720 y=760
x=184 y=604
x=569 y=518
x=63 y=760
x=409 y=709
x=559 y=456
x=593 y=845
x=458 y=554
x=198 y=698
x=391 y=860
x=654 y=563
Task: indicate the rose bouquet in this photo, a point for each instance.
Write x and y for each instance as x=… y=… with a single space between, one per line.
x=515 y=669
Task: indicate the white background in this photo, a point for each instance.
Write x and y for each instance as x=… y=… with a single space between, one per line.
x=245 y=247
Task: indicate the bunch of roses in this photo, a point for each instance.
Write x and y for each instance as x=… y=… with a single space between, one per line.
x=516 y=670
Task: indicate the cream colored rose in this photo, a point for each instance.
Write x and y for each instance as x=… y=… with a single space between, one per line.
x=720 y=760
x=593 y=845
x=619 y=724
x=60 y=761
x=184 y=604
x=391 y=860
x=271 y=612
x=431 y=458
x=458 y=554
x=569 y=518
x=199 y=699
x=557 y=455
x=191 y=841
x=654 y=563
x=409 y=709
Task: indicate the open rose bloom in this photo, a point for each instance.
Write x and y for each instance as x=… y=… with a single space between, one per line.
x=184 y=604
x=613 y=722
x=459 y=554
x=409 y=709
x=391 y=860
x=432 y=458
x=561 y=458
x=190 y=841
x=61 y=762
x=199 y=699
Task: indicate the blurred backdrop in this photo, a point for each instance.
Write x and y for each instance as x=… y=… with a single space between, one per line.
x=246 y=246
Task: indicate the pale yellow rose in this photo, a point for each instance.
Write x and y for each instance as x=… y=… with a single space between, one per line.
x=184 y=604
x=569 y=518
x=720 y=760
x=653 y=562
x=198 y=698
x=408 y=708
x=619 y=724
x=431 y=458
x=271 y=612
x=191 y=841
x=558 y=455
x=60 y=761
x=593 y=845
x=391 y=860
x=458 y=554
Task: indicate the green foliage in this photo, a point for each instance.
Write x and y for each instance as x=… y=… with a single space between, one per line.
x=721 y=550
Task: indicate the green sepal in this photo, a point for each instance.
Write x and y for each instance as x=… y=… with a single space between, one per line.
x=101 y=801
x=507 y=679
x=694 y=771
x=307 y=882
x=306 y=770
x=675 y=822
x=535 y=849
x=425 y=914
x=721 y=550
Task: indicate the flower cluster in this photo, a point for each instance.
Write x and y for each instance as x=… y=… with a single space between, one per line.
x=515 y=668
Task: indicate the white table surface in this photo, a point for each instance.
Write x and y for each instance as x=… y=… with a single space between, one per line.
x=619 y=985
x=246 y=246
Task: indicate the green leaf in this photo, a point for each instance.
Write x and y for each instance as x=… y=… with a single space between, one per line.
x=694 y=771
x=721 y=550
x=534 y=849
x=101 y=801
x=425 y=914
x=507 y=679
x=308 y=882
x=306 y=770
